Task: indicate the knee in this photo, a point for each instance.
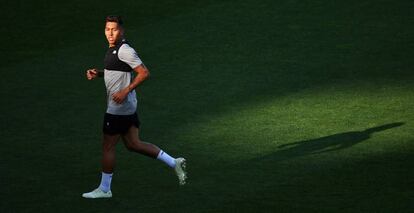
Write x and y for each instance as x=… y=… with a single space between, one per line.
x=134 y=146
x=109 y=143
x=108 y=147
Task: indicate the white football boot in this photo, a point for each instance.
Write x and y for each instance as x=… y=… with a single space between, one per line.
x=180 y=170
x=97 y=193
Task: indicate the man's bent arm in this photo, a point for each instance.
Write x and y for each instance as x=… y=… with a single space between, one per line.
x=142 y=75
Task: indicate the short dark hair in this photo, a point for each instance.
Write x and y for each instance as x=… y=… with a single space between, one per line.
x=114 y=18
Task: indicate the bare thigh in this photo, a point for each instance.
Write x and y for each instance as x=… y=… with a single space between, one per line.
x=133 y=143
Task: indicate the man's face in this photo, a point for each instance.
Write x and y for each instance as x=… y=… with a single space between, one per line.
x=113 y=33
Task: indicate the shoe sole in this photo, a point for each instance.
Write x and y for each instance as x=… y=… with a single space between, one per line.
x=95 y=197
x=183 y=166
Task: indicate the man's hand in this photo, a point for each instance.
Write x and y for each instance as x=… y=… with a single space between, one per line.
x=91 y=74
x=120 y=96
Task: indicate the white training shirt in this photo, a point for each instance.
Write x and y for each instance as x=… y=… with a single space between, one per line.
x=118 y=80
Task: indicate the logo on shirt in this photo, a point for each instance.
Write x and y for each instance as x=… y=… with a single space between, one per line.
x=114 y=52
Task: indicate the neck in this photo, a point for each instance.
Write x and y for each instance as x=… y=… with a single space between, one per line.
x=117 y=42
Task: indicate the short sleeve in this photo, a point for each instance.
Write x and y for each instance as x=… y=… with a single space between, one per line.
x=128 y=55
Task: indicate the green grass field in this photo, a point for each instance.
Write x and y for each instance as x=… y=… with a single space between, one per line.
x=279 y=106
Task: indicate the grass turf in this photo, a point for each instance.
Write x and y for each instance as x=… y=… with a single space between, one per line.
x=268 y=100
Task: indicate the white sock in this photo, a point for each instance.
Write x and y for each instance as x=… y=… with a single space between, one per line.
x=164 y=157
x=106 y=182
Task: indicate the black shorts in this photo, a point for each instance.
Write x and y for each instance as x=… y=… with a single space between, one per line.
x=119 y=124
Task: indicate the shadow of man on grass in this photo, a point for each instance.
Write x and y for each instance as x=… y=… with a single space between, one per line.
x=332 y=142
x=269 y=178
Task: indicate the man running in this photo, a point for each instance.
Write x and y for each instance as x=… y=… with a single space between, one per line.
x=121 y=119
